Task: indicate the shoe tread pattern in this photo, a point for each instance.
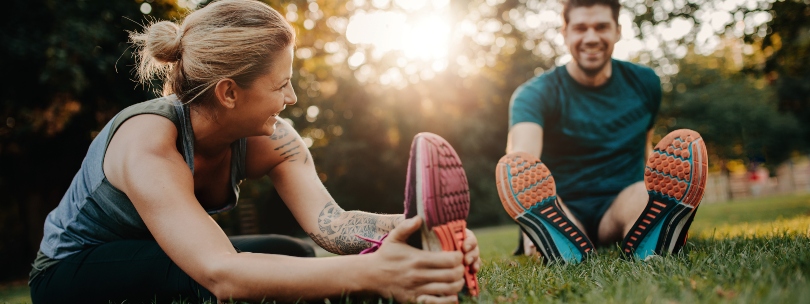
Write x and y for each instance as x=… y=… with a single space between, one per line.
x=447 y=197
x=675 y=177
x=526 y=187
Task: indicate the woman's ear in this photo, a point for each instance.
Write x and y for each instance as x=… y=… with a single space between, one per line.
x=226 y=91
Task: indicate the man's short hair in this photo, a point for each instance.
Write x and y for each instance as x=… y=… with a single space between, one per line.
x=571 y=4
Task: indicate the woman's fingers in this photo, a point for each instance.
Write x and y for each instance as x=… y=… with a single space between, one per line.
x=441 y=259
x=471 y=256
x=440 y=288
x=470 y=241
x=428 y=299
x=401 y=232
x=431 y=277
x=471 y=251
x=426 y=276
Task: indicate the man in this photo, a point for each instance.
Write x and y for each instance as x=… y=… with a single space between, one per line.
x=591 y=121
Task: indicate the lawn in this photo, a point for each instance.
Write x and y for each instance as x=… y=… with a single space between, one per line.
x=753 y=251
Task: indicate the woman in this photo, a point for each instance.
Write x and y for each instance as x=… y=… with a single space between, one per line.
x=135 y=226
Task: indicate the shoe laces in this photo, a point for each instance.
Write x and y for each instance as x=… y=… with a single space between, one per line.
x=375 y=244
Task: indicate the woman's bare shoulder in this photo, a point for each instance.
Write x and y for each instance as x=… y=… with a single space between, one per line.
x=265 y=153
x=141 y=136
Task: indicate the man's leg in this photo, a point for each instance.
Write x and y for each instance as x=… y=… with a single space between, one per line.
x=528 y=193
x=675 y=176
x=528 y=246
x=621 y=215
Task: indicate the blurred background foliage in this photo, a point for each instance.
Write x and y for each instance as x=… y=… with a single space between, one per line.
x=370 y=74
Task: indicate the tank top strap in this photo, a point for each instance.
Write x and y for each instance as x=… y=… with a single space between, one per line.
x=186 y=132
x=239 y=150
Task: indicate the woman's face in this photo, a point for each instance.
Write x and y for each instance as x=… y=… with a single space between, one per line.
x=268 y=95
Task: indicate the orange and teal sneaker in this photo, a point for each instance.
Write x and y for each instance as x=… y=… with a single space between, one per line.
x=675 y=177
x=528 y=194
x=436 y=189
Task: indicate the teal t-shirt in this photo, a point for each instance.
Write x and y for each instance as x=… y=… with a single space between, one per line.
x=593 y=137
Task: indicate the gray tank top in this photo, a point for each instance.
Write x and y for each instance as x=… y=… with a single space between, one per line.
x=93 y=212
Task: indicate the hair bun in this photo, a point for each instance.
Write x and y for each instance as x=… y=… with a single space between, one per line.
x=163 y=41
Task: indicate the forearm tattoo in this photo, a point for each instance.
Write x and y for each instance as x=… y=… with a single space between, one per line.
x=338 y=229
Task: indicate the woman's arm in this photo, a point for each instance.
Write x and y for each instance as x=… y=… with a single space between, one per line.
x=338 y=230
x=142 y=161
x=285 y=158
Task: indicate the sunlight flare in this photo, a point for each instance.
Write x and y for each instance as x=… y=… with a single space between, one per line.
x=424 y=37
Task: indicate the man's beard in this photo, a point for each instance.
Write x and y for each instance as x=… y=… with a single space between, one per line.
x=591 y=72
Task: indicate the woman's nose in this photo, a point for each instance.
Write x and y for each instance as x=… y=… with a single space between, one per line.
x=290 y=98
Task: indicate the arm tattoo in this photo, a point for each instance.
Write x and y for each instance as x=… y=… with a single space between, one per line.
x=284 y=145
x=289 y=152
x=338 y=229
x=280 y=132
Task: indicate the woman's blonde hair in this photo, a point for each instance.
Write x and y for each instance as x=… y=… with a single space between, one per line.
x=233 y=39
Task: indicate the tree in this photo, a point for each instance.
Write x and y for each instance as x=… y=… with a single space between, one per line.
x=788 y=64
x=735 y=113
x=67 y=67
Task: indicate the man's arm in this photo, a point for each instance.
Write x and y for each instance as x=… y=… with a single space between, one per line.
x=649 y=147
x=525 y=137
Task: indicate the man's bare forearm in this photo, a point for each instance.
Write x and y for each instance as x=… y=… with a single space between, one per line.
x=339 y=230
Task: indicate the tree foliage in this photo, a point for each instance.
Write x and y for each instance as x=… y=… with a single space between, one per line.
x=771 y=42
x=735 y=113
x=788 y=65
x=67 y=72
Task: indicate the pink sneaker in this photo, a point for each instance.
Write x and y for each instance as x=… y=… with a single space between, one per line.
x=436 y=189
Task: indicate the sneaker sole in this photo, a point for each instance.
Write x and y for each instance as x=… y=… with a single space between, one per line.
x=675 y=176
x=444 y=199
x=528 y=194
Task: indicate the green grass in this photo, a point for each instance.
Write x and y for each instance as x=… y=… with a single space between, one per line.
x=15 y=292
x=753 y=251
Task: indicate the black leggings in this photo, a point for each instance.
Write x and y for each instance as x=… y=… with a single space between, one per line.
x=138 y=271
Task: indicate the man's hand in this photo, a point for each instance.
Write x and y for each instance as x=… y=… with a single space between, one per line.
x=412 y=275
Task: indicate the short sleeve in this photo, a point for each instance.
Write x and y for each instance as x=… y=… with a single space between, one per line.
x=530 y=103
x=654 y=87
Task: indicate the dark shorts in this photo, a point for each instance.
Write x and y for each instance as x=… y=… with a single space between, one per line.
x=138 y=271
x=589 y=211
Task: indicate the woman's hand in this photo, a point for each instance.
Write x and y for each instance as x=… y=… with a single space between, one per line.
x=412 y=275
x=471 y=252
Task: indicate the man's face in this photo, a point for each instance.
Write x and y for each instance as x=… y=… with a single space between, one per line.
x=590 y=35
